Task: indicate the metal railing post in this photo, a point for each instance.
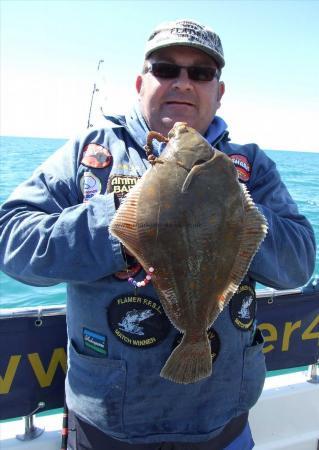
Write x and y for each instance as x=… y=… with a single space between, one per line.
x=314 y=374
x=30 y=431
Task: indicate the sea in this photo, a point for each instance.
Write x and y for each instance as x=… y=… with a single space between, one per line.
x=19 y=156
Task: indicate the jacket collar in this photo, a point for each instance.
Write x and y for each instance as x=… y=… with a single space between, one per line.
x=135 y=123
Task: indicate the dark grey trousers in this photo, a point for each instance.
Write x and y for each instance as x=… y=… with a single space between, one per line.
x=83 y=436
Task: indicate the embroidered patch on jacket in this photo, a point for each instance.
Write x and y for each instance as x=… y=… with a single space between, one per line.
x=214 y=342
x=138 y=321
x=95 y=341
x=242 y=307
x=96 y=156
x=90 y=185
x=242 y=165
x=121 y=185
x=132 y=271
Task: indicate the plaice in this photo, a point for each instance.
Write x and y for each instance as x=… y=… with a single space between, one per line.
x=191 y=219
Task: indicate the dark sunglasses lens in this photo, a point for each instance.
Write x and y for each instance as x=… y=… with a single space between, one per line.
x=164 y=70
x=201 y=73
x=195 y=73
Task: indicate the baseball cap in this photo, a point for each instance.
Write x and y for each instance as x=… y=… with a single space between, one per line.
x=186 y=32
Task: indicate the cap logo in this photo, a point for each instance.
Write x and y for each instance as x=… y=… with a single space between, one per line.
x=191 y=32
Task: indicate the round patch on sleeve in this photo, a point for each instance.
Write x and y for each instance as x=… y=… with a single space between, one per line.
x=214 y=342
x=96 y=156
x=242 y=166
x=138 y=321
x=242 y=307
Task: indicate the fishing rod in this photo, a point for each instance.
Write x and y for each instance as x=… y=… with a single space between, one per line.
x=95 y=90
x=65 y=422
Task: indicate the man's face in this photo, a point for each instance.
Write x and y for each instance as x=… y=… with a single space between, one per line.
x=166 y=101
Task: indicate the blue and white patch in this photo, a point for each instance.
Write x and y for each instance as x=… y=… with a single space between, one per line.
x=95 y=341
x=90 y=185
x=138 y=321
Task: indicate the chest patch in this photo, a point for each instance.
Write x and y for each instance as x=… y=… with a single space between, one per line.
x=243 y=307
x=96 y=156
x=121 y=184
x=90 y=185
x=138 y=321
x=242 y=166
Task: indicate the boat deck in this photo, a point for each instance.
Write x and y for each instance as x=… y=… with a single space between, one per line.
x=286 y=417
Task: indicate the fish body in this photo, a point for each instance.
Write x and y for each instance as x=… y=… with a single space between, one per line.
x=191 y=219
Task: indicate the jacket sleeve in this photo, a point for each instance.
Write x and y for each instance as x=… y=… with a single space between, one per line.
x=49 y=236
x=286 y=258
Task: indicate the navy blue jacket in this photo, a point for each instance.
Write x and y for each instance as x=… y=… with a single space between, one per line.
x=54 y=228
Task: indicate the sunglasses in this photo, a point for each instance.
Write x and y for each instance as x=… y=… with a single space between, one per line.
x=170 y=71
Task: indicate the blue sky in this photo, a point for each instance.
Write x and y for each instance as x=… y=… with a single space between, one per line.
x=50 y=51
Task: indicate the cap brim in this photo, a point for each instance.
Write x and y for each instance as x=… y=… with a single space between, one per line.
x=216 y=56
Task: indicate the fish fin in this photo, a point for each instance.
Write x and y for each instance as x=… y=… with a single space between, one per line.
x=195 y=170
x=189 y=362
x=254 y=231
x=124 y=223
x=218 y=308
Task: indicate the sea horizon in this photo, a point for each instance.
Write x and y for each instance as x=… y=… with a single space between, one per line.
x=71 y=136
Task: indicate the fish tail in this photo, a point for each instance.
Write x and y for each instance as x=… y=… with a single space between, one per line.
x=189 y=362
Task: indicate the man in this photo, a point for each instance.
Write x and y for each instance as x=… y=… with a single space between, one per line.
x=54 y=228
